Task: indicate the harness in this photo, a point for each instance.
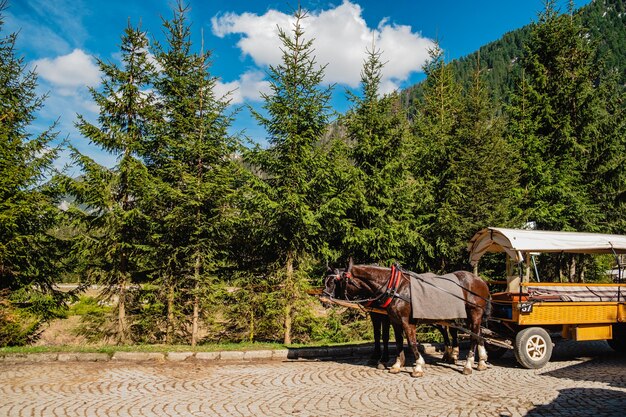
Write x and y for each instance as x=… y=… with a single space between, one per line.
x=391 y=289
x=384 y=298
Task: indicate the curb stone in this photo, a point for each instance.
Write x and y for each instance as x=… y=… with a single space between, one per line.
x=257 y=354
x=31 y=357
x=340 y=352
x=178 y=356
x=281 y=354
x=267 y=354
x=311 y=353
x=207 y=356
x=138 y=356
x=232 y=355
x=83 y=357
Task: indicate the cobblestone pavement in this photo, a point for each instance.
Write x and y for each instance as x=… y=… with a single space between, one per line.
x=582 y=379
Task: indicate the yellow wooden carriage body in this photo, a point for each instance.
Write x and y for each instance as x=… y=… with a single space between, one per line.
x=517 y=310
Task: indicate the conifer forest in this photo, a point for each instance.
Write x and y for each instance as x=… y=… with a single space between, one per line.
x=197 y=235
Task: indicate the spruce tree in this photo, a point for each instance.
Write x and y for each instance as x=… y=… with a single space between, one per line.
x=193 y=157
x=435 y=125
x=382 y=222
x=30 y=255
x=116 y=221
x=557 y=117
x=481 y=186
x=469 y=165
x=296 y=117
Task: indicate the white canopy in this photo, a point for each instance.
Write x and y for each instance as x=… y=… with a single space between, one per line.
x=515 y=242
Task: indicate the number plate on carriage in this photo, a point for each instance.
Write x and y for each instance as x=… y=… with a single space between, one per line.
x=526 y=308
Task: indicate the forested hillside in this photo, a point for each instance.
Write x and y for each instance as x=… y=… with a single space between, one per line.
x=605 y=21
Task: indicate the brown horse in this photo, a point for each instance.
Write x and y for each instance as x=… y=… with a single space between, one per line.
x=367 y=284
x=380 y=322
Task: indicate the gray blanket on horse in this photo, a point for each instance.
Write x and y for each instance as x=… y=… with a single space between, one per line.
x=435 y=297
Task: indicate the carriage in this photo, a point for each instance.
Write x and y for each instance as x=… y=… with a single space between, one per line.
x=529 y=311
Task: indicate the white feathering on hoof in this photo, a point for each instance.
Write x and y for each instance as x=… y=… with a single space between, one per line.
x=469 y=364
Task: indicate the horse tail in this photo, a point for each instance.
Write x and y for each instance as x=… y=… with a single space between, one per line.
x=487 y=312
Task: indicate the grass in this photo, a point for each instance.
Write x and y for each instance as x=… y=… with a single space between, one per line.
x=212 y=347
x=87 y=305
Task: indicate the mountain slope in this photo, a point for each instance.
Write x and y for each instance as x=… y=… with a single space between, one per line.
x=605 y=20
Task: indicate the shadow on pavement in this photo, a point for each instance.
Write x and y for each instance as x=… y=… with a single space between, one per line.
x=584 y=402
x=610 y=370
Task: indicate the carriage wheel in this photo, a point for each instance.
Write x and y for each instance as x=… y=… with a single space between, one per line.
x=533 y=347
x=618 y=343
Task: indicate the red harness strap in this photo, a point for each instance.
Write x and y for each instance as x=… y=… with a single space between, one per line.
x=392 y=285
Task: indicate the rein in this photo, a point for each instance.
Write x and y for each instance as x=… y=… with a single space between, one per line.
x=391 y=290
x=383 y=299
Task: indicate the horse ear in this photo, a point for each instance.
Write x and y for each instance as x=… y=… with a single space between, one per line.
x=350 y=264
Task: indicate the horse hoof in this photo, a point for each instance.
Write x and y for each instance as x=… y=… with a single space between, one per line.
x=380 y=366
x=394 y=370
x=467 y=371
x=417 y=374
x=481 y=367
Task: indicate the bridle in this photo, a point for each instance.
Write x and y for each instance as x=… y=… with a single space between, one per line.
x=384 y=297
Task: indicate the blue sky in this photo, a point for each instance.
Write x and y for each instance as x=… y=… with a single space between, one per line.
x=60 y=38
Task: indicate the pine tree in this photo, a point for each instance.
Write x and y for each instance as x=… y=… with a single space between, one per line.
x=435 y=125
x=193 y=156
x=297 y=116
x=555 y=120
x=29 y=253
x=116 y=222
x=382 y=222
x=482 y=185
x=566 y=122
x=606 y=168
x=470 y=166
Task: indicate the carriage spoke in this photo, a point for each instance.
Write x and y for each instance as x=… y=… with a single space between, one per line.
x=536 y=347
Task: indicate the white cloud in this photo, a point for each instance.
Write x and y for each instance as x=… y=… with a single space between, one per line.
x=341 y=39
x=249 y=86
x=69 y=72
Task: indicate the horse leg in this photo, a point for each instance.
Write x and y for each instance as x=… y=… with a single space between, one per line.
x=400 y=357
x=384 y=321
x=451 y=352
x=446 y=343
x=482 y=354
x=454 y=350
x=409 y=329
x=473 y=322
x=377 y=323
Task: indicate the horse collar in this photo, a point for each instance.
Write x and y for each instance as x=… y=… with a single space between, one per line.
x=392 y=286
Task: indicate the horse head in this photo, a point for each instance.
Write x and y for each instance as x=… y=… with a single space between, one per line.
x=333 y=287
x=337 y=281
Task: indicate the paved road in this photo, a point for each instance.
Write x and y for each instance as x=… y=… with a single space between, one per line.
x=583 y=379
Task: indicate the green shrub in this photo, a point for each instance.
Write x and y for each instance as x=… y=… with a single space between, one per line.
x=17 y=327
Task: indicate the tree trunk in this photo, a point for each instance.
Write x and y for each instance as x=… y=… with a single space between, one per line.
x=251 y=325
x=121 y=312
x=196 y=301
x=572 y=268
x=170 y=311
x=289 y=293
